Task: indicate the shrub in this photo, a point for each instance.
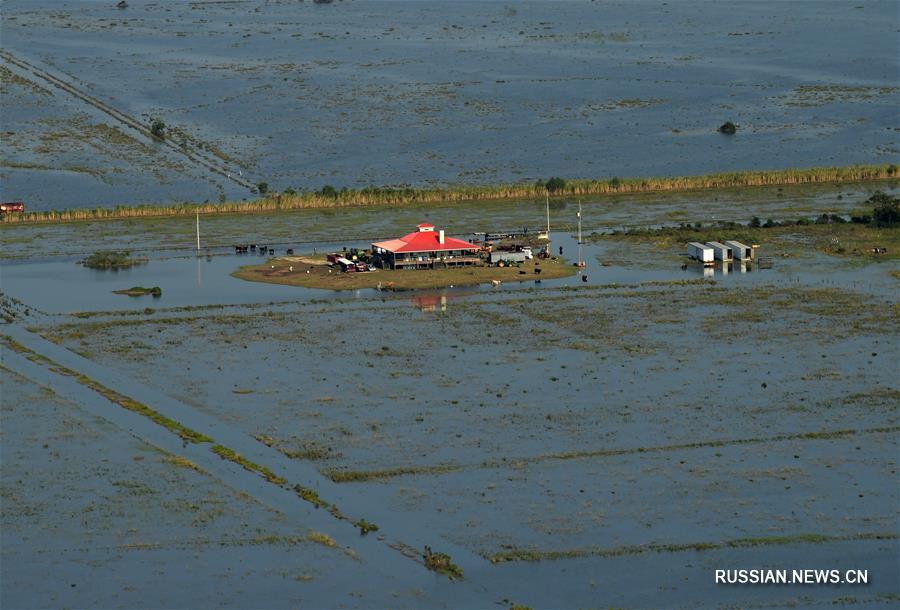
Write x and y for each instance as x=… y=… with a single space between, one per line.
x=754 y=222
x=110 y=259
x=262 y=187
x=886 y=209
x=728 y=128
x=158 y=129
x=555 y=184
x=328 y=191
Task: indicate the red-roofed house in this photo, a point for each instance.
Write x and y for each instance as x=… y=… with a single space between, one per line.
x=425 y=248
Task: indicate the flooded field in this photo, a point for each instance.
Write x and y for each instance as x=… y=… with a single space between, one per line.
x=383 y=92
x=598 y=443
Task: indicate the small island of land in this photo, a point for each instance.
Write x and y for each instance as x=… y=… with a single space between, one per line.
x=139 y=291
x=314 y=272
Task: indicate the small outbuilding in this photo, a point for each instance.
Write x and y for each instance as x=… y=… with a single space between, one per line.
x=424 y=248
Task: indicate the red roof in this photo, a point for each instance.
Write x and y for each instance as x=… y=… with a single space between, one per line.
x=424 y=240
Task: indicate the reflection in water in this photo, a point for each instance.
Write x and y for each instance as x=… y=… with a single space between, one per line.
x=720 y=268
x=430 y=302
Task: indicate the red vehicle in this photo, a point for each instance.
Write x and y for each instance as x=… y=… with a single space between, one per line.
x=12 y=206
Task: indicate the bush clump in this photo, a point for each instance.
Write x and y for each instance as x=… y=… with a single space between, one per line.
x=158 y=129
x=728 y=128
x=555 y=184
x=111 y=259
x=441 y=563
x=885 y=209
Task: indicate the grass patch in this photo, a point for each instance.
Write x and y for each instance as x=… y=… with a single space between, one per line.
x=112 y=259
x=356 y=476
x=352 y=476
x=181 y=462
x=739 y=543
x=365 y=527
x=442 y=564
x=186 y=434
x=323 y=539
x=139 y=291
x=228 y=454
x=328 y=197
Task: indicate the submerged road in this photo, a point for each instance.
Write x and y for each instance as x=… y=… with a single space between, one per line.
x=192 y=152
x=395 y=551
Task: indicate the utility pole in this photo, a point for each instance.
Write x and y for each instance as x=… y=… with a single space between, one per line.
x=580 y=257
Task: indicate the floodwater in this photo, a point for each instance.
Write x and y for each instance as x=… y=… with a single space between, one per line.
x=568 y=443
x=383 y=92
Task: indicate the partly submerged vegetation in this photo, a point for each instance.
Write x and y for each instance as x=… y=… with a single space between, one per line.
x=441 y=563
x=111 y=259
x=139 y=291
x=872 y=234
x=740 y=543
x=330 y=197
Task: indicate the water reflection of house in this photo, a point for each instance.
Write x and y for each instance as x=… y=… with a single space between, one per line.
x=431 y=302
x=425 y=248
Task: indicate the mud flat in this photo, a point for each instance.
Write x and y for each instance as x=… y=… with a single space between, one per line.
x=285 y=271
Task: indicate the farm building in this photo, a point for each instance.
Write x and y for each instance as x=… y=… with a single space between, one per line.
x=424 y=248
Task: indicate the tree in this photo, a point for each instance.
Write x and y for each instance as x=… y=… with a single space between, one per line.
x=328 y=191
x=555 y=184
x=886 y=209
x=754 y=222
x=158 y=129
x=262 y=187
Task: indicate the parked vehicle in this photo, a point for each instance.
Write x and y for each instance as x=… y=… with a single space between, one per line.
x=12 y=206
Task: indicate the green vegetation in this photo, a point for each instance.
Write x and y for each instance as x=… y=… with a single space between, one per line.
x=555 y=184
x=885 y=210
x=365 y=527
x=442 y=564
x=827 y=233
x=158 y=129
x=138 y=291
x=740 y=543
x=228 y=454
x=111 y=259
x=356 y=476
x=184 y=432
x=329 y=197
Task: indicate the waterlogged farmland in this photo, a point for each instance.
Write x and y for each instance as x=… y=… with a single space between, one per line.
x=301 y=95
x=568 y=443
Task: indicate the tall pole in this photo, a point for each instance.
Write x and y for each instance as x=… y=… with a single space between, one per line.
x=548 y=215
x=580 y=257
x=198 y=231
